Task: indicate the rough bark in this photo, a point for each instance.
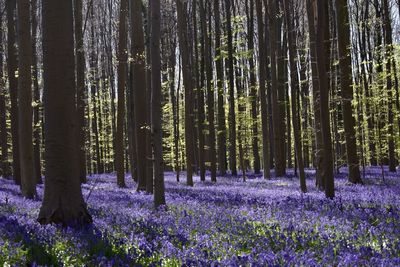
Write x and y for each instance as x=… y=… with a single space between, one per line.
x=63 y=201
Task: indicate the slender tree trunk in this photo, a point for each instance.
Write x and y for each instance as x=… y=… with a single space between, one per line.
x=80 y=88
x=232 y=113
x=210 y=93
x=37 y=121
x=122 y=63
x=13 y=86
x=139 y=96
x=263 y=98
x=159 y=197
x=323 y=72
x=319 y=152
x=5 y=170
x=389 y=83
x=25 y=112
x=342 y=20
x=188 y=84
x=221 y=133
x=63 y=201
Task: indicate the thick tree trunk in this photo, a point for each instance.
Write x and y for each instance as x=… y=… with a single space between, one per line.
x=342 y=20
x=63 y=201
x=25 y=112
x=122 y=66
x=156 y=115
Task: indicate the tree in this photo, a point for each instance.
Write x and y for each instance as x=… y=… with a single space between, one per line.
x=323 y=72
x=139 y=96
x=389 y=83
x=344 y=44
x=25 y=112
x=219 y=65
x=5 y=170
x=232 y=114
x=122 y=62
x=13 y=86
x=253 y=88
x=210 y=92
x=294 y=86
x=63 y=201
x=319 y=149
x=188 y=84
x=80 y=89
x=159 y=196
x=37 y=118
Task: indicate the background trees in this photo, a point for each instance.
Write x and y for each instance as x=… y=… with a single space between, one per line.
x=275 y=82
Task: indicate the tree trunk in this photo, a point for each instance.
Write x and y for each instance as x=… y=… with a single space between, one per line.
x=63 y=201
x=188 y=84
x=139 y=96
x=389 y=83
x=232 y=113
x=13 y=86
x=80 y=89
x=37 y=121
x=253 y=90
x=122 y=64
x=5 y=170
x=263 y=98
x=294 y=91
x=221 y=133
x=319 y=151
x=25 y=112
x=159 y=196
x=323 y=72
x=210 y=92
x=344 y=44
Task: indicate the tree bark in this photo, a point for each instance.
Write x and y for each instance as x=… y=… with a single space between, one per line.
x=139 y=95
x=25 y=112
x=13 y=87
x=294 y=91
x=122 y=66
x=156 y=115
x=63 y=201
x=344 y=44
x=261 y=91
x=80 y=89
x=188 y=84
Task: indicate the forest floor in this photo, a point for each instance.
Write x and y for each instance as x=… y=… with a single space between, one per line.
x=230 y=223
